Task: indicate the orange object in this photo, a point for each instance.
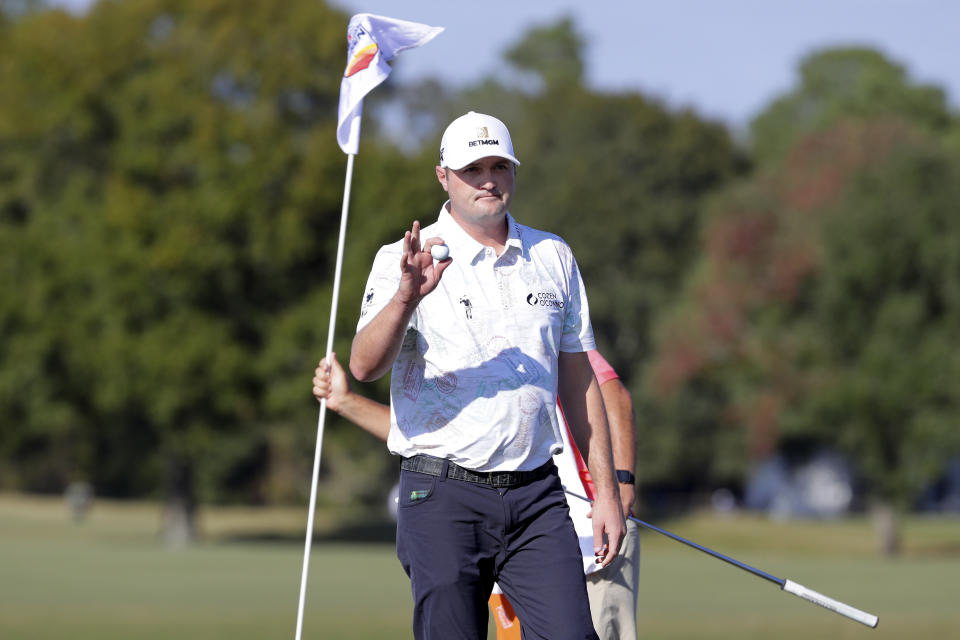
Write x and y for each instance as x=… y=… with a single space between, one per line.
x=508 y=625
x=585 y=476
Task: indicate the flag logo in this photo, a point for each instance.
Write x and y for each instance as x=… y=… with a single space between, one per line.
x=361 y=49
x=361 y=60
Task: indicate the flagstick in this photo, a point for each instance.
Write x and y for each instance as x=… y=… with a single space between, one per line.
x=323 y=402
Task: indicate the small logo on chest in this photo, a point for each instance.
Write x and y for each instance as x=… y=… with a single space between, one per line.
x=546 y=299
x=467 y=307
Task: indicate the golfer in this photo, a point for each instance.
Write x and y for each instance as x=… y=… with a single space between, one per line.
x=478 y=359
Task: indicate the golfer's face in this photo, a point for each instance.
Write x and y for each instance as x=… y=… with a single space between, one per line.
x=480 y=191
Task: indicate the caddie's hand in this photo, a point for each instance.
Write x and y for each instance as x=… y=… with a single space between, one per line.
x=419 y=275
x=330 y=382
x=608 y=530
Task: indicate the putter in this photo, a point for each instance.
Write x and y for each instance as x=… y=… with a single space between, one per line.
x=785 y=585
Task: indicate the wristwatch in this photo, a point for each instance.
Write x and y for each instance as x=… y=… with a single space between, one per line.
x=625 y=477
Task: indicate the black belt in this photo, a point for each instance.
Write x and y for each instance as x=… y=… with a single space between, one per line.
x=433 y=466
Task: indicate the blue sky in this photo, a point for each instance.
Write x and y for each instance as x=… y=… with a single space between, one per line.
x=725 y=58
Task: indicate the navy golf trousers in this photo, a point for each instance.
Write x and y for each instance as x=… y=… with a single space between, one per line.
x=456 y=538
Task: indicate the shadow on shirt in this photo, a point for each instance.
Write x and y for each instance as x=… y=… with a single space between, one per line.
x=453 y=392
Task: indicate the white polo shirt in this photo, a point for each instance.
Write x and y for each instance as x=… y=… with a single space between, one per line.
x=476 y=378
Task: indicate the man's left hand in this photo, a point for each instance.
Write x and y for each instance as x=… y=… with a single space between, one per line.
x=608 y=529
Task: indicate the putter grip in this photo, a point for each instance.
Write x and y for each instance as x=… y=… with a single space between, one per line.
x=834 y=605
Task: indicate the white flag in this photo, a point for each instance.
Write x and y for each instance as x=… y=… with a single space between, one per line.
x=371 y=41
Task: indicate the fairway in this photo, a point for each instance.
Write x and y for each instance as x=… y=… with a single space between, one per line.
x=108 y=578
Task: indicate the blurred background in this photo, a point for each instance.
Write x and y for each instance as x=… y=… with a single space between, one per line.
x=762 y=199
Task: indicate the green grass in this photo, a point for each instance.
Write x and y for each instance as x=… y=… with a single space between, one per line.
x=109 y=578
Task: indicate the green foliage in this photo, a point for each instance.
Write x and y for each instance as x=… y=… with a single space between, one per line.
x=887 y=306
x=823 y=310
x=170 y=199
x=845 y=83
x=167 y=170
x=552 y=52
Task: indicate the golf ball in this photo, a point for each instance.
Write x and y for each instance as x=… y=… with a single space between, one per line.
x=440 y=251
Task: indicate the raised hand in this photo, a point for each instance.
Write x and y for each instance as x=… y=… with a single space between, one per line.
x=419 y=274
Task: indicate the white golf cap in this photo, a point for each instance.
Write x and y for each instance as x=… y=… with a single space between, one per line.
x=473 y=136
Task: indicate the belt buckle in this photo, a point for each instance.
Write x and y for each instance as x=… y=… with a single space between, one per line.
x=501 y=479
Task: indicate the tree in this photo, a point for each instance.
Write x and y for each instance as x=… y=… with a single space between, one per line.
x=887 y=309
x=552 y=53
x=821 y=312
x=845 y=83
x=168 y=180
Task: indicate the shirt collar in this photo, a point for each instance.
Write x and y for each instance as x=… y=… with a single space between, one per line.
x=514 y=234
x=461 y=243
